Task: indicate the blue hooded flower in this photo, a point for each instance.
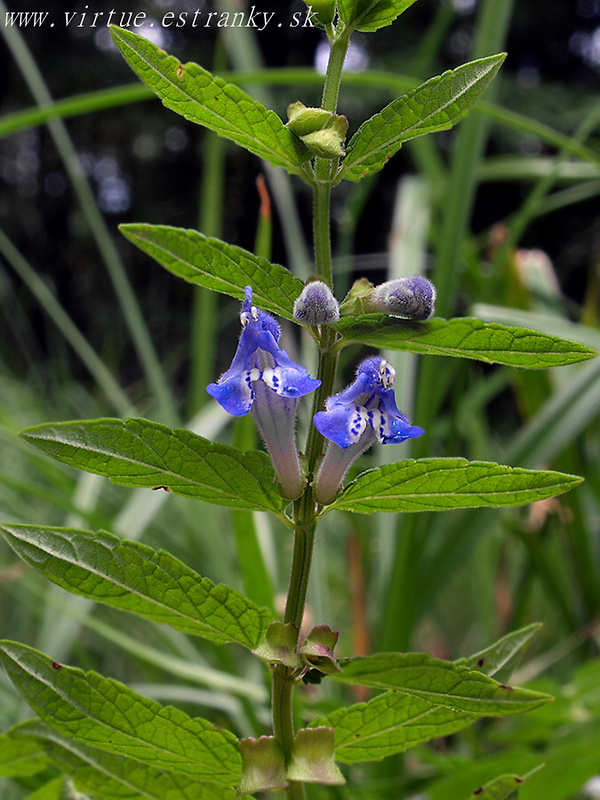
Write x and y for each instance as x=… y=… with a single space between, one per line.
x=263 y=379
x=259 y=358
x=363 y=413
x=369 y=402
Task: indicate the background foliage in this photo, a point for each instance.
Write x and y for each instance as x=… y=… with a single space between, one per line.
x=91 y=327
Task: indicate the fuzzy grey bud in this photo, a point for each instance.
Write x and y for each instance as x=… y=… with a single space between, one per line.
x=316 y=305
x=411 y=298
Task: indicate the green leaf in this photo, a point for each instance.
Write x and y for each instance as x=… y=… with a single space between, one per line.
x=464 y=337
x=369 y=15
x=209 y=101
x=391 y=723
x=137 y=452
x=107 y=776
x=498 y=659
x=441 y=484
x=441 y=683
x=104 y=713
x=436 y=105
x=429 y=699
x=218 y=266
x=134 y=577
x=20 y=757
x=500 y=788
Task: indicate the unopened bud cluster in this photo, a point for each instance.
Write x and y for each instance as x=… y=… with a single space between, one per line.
x=320 y=130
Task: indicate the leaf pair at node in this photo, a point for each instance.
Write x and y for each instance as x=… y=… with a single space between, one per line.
x=226 y=109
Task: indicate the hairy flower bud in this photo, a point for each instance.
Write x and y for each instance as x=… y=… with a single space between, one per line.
x=316 y=305
x=411 y=298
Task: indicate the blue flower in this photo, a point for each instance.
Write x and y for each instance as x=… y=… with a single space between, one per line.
x=369 y=402
x=259 y=358
x=263 y=379
x=363 y=413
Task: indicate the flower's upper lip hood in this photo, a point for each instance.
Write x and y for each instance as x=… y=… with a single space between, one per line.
x=257 y=320
x=260 y=333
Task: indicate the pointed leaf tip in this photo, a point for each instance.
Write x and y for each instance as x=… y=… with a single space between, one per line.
x=443 y=484
x=217 y=265
x=436 y=105
x=464 y=337
x=104 y=713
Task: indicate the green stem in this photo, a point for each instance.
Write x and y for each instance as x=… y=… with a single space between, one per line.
x=281 y=704
x=303 y=547
x=333 y=79
x=321 y=228
x=283 y=677
x=304 y=514
x=328 y=358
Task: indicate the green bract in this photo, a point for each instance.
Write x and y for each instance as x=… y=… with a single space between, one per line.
x=324 y=9
x=369 y=15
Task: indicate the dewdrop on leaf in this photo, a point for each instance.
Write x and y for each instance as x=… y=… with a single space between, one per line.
x=411 y=298
x=316 y=305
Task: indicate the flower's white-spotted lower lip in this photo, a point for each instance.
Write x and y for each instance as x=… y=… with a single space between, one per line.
x=272 y=378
